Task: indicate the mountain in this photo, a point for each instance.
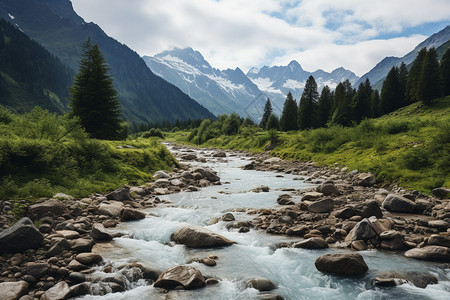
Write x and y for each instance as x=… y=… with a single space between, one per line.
x=379 y=72
x=222 y=92
x=226 y=91
x=144 y=96
x=29 y=74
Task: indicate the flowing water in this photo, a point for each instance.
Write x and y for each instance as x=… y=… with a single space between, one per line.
x=255 y=254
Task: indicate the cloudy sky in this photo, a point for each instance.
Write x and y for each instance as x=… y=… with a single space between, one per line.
x=319 y=34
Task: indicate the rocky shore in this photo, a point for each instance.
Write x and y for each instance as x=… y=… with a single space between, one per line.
x=48 y=254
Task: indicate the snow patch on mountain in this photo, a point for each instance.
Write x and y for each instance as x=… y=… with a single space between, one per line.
x=11 y=16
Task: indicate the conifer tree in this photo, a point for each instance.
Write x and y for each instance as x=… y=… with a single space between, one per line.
x=273 y=123
x=429 y=79
x=445 y=73
x=94 y=98
x=343 y=96
x=361 y=101
x=308 y=108
x=402 y=81
x=289 y=115
x=375 y=104
x=266 y=114
x=389 y=98
x=413 y=77
x=325 y=103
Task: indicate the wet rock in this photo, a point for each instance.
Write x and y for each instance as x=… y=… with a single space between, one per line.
x=82 y=245
x=228 y=217
x=79 y=289
x=59 y=291
x=122 y=194
x=88 y=258
x=344 y=213
x=328 y=188
x=272 y=160
x=311 y=196
x=432 y=253
x=261 y=284
x=359 y=245
x=76 y=265
x=396 y=203
x=321 y=206
x=421 y=279
x=45 y=228
x=285 y=199
x=37 y=270
x=250 y=166
x=110 y=208
x=13 y=290
x=262 y=188
x=208 y=262
x=198 y=237
x=312 y=243
x=439 y=240
x=77 y=277
x=364 y=179
x=441 y=193
x=387 y=282
x=439 y=224
x=185 y=276
x=207 y=174
x=50 y=208
x=99 y=233
x=368 y=209
x=219 y=154
x=268 y=296
x=161 y=174
x=187 y=175
x=189 y=156
x=131 y=214
x=20 y=237
x=351 y=264
x=211 y=281
x=363 y=230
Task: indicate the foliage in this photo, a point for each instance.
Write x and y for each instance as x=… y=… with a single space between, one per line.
x=308 y=108
x=153 y=133
x=445 y=73
x=266 y=114
x=231 y=124
x=289 y=115
x=429 y=86
x=273 y=123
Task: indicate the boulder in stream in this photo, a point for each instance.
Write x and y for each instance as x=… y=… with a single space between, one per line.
x=261 y=284
x=185 y=276
x=198 y=237
x=344 y=264
x=433 y=253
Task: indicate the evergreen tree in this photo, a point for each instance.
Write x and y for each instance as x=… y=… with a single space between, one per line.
x=289 y=115
x=402 y=81
x=273 y=123
x=429 y=86
x=231 y=124
x=343 y=96
x=375 y=104
x=266 y=114
x=361 y=101
x=390 y=92
x=445 y=73
x=308 y=108
x=94 y=98
x=325 y=103
x=412 y=83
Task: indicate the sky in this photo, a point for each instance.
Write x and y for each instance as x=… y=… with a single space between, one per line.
x=319 y=34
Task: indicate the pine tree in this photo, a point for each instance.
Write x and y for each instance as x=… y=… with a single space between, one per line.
x=390 y=92
x=412 y=83
x=325 y=103
x=429 y=86
x=361 y=101
x=273 y=123
x=445 y=73
x=94 y=98
x=343 y=96
x=289 y=115
x=308 y=108
x=375 y=104
x=402 y=81
x=266 y=114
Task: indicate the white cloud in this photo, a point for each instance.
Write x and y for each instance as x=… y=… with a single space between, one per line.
x=229 y=33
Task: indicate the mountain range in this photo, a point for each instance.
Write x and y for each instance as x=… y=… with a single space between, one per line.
x=144 y=96
x=226 y=91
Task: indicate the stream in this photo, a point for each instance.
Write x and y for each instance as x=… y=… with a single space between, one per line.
x=255 y=255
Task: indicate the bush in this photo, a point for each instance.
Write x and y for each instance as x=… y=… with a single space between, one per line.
x=153 y=133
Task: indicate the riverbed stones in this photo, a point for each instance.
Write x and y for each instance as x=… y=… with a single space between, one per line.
x=198 y=237
x=20 y=237
x=185 y=276
x=110 y=208
x=122 y=194
x=228 y=217
x=311 y=243
x=100 y=233
x=363 y=230
x=321 y=206
x=261 y=284
x=439 y=240
x=131 y=214
x=345 y=264
x=311 y=196
x=13 y=290
x=59 y=291
x=441 y=193
x=161 y=174
x=368 y=208
x=51 y=208
x=208 y=174
x=82 y=245
x=432 y=253
x=88 y=258
x=364 y=179
x=285 y=199
x=328 y=189
x=397 y=203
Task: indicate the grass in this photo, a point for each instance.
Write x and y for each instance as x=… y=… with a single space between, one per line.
x=409 y=147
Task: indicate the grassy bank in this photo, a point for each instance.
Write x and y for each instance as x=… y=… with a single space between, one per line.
x=42 y=154
x=410 y=147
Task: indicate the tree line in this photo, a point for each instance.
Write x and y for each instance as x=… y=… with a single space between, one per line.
x=426 y=79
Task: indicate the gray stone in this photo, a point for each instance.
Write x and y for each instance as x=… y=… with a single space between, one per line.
x=207 y=174
x=364 y=179
x=321 y=206
x=439 y=240
x=37 y=270
x=82 y=245
x=110 y=208
x=368 y=209
x=185 y=276
x=122 y=194
x=351 y=264
x=131 y=214
x=59 y=291
x=79 y=289
x=50 y=208
x=432 y=253
x=396 y=203
x=285 y=199
x=13 y=290
x=219 y=154
x=441 y=192
x=228 y=217
x=161 y=174
x=77 y=277
x=20 y=237
x=88 y=258
x=198 y=237
x=261 y=284
x=311 y=196
x=363 y=230
x=312 y=243
x=421 y=279
x=439 y=224
x=63 y=196
x=328 y=188
x=99 y=233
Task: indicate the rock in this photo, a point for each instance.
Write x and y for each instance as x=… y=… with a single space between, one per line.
x=219 y=154
x=189 y=156
x=187 y=175
x=13 y=290
x=59 y=291
x=122 y=194
x=328 y=188
x=198 y=237
x=186 y=276
x=62 y=196
x=396 y=203
x=285 y=199
x=88 y=258
x=45 y=228
x=368 y=209
x=20 y=237
x=321 y=206
x=311 y=196
x=228 y=217
x=51 y=208
x=59 y=246
x=79 y=289
x=261 y=284
x=363 y=230
x=351 y=264
x=269 y=296
x=387 y=282
x=131 y=214
x=37 y=270
x=272 y=160
x=344 y=213
x=298 y=230
x=69 y=234
x=161 y=174
x=439 y=224
x=420 y=279
x=211 y=281
x=82 y=245
x=250 y=166
x=176 y=182
x=432 y=253
x=359 y=245
x=99 y=233
x=207 y=174
x=441 y=193
x=261 y=188
x=364 y=179
x=76 y=265
x=312 y=243
x=208 y=262
x=77 y=277
x=393 y=244
x=439 y=240
x=110 y=208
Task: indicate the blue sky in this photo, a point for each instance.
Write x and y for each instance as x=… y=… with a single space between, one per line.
x=319 y=34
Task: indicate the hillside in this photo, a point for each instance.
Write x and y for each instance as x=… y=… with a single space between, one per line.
x=29 y=74
x=144 y=96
